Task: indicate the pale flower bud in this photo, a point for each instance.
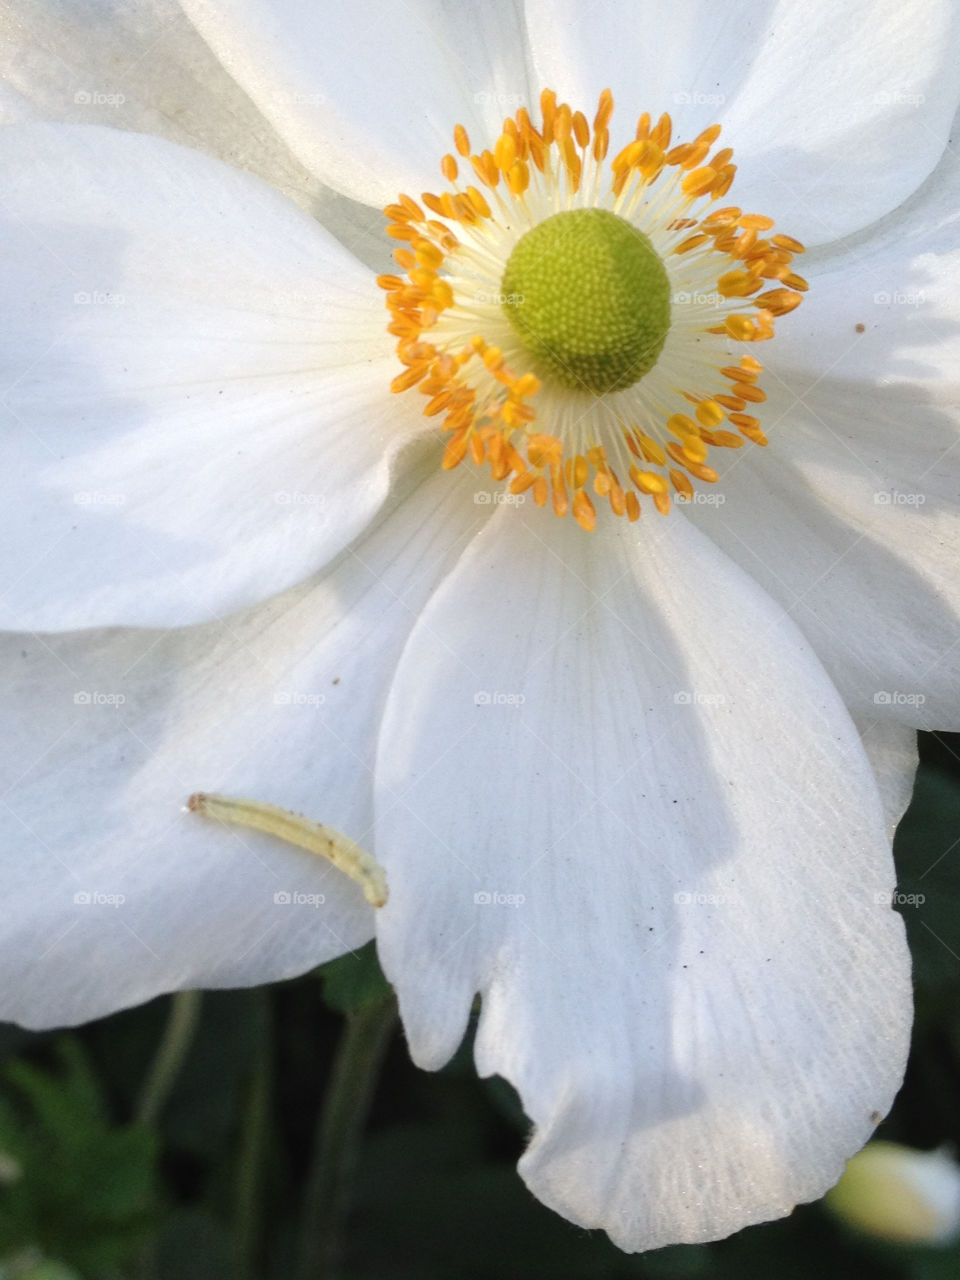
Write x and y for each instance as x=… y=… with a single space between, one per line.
x=901 y=1195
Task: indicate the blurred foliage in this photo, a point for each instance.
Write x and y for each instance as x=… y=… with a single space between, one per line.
x=213 y=1188
x=72 y=1177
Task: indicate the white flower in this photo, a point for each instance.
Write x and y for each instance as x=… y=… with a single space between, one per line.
x=612 y=777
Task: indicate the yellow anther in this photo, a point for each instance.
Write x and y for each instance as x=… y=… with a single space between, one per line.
x=584 y=511
x=479 y=203
x=691 y=242
x=749 y=391
x=662 y=132
x=528 y=385
x=518 y=179
x=709 y=413
x=548 y=107
x=427 y=254
x=648 y=481
x=604 y=111
x=698 y=181
x=681 y=483
x=505 y=152
x=756 y=221
x=740 y=327
x=338 y=849
x=779 y=301
x=631 y=155
x=681 y=425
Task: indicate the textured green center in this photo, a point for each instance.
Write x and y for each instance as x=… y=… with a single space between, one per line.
x=589 y=298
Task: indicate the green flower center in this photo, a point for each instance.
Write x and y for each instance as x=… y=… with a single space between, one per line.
x=589 y=298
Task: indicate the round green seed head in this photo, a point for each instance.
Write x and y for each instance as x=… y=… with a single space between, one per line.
x=589 y=298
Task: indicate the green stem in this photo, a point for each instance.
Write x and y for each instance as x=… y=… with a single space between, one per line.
x=337 y=1143
x=254 y=1141
x=171 y=1052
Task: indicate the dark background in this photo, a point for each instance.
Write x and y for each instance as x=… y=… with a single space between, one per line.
x=213 y=1186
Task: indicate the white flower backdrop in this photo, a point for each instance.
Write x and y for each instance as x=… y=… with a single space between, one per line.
x=634 y=788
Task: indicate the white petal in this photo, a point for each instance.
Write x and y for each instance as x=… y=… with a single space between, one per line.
x=15 y=108
x=898 y=279
x=872 y=583
x=892 y=751
x=370 y=105
x=851 y=516
x=195 y=405
x=141 y=67
x=108 y=733
x=831 y=128
x=681 y=939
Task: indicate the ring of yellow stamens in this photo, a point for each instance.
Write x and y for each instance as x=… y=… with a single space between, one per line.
x=731 y=279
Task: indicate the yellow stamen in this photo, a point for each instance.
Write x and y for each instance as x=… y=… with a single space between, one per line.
x=338 y=849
